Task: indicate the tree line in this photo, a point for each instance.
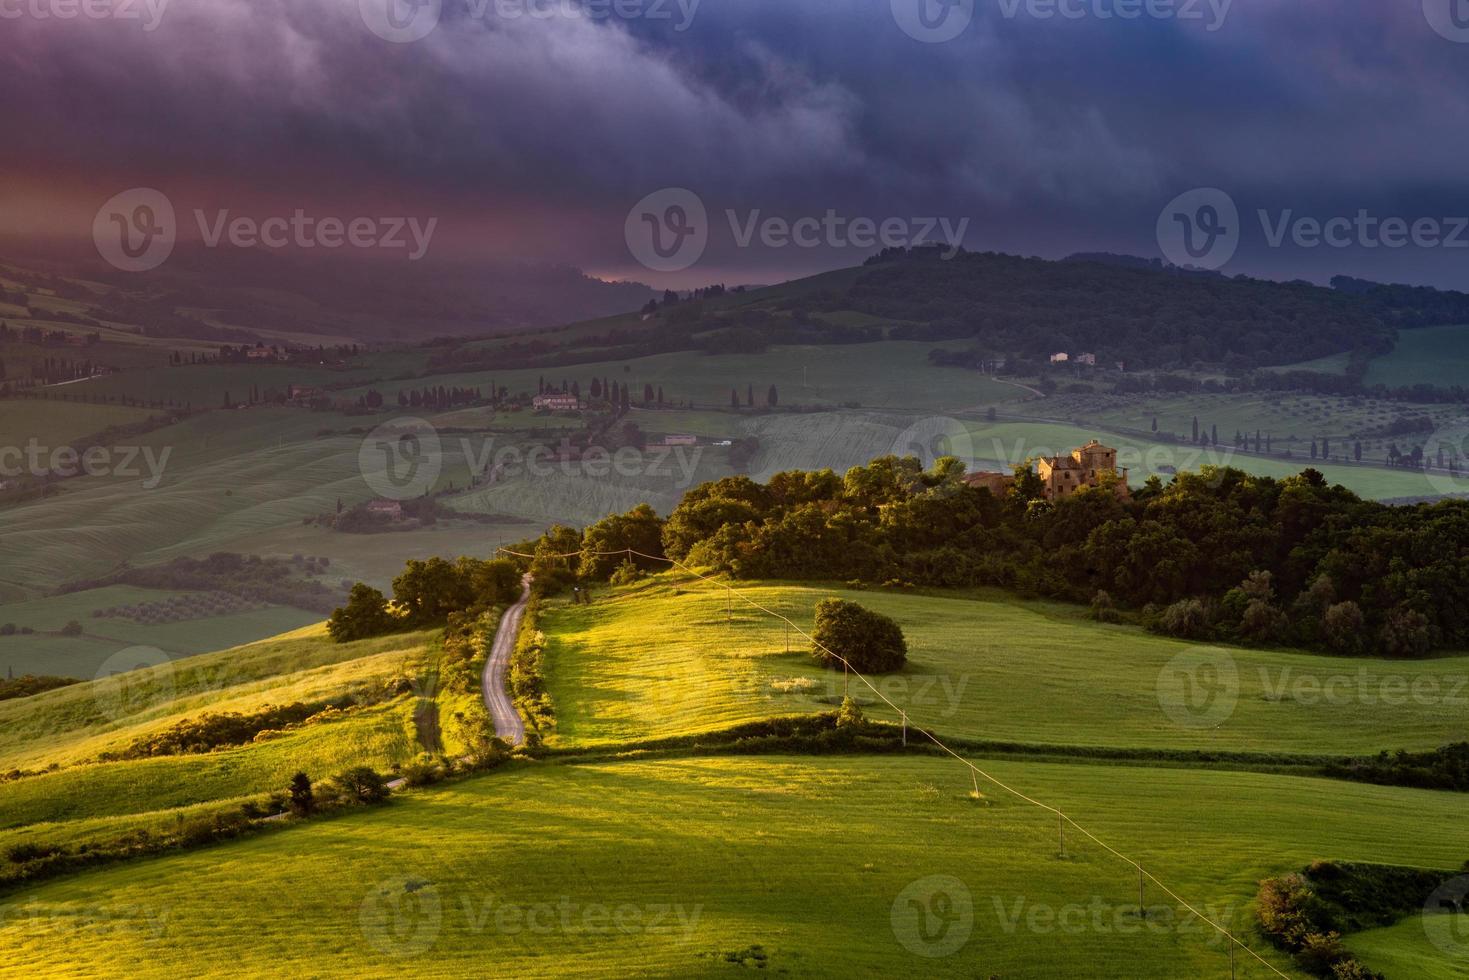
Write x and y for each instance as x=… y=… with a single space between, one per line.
x=1219 y=554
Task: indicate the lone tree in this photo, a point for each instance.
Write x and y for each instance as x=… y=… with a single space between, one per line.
x=871 y=642
x=303 y=800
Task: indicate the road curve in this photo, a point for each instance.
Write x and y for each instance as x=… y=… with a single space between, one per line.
x=508 y=724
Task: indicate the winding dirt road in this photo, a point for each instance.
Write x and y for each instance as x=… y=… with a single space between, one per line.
x=508 y=724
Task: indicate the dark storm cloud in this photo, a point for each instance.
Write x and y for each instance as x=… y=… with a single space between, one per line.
x=1050 y=134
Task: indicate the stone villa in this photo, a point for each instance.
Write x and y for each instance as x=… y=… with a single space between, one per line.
x=1062 y=475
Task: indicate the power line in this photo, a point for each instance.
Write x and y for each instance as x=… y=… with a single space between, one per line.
x=1143 y=874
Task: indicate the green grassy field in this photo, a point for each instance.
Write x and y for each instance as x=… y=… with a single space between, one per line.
x=894 y=374
x=56 y=423
x=1405 y=949
x=527 y=870
x=663 y=659
x=48 y=652
x=75 y=724
x=1427 y=355
x=89 y=800
x=1291 y=420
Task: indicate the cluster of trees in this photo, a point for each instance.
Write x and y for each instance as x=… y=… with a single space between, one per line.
x=1308 y=912
x=1218 y=554
x=425 y=595
x=1443 y=768
x=1147 y=317
x=213 y=730
x=178 y=608
x=430 y=396
x=28 y=684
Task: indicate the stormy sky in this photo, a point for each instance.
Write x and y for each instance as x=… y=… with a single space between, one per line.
x=530 y=128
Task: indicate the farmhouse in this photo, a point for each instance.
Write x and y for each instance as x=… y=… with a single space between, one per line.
x=1061 y=475
x=1064 y=475
x=1086 y=359
x=1060 y=358
x=386 y=508
x=680 y=440
x=557 y=401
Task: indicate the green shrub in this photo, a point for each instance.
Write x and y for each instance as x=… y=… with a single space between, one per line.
x=869 y=641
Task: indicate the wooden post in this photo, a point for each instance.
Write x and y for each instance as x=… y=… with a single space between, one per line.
x=1061 y=823
x=974 y=776
x=846 y=679
x=1231 y=959
x=905 y=728
x=1142 y=913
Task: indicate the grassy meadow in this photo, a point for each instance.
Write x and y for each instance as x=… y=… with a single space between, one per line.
x=56 y=423
x=47 y=651
x=891 y=374
x=1406 y=949
x=1427 y=355
x=86 y=799
x=665 y=658
x=694 y=867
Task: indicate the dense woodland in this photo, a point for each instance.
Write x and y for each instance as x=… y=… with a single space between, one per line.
x=1216 y=555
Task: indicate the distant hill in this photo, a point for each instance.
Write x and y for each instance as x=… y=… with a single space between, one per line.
x=213 y=295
